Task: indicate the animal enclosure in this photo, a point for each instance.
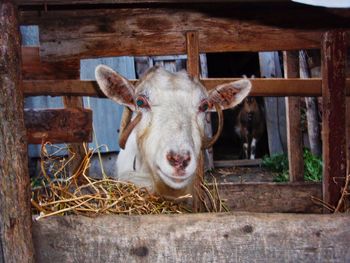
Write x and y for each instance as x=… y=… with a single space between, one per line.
x=71 y=31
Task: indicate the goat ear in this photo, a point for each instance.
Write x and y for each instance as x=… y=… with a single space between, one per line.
x=115 y=86
x=230 y=94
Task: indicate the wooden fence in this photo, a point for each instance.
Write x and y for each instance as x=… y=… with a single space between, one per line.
x=73 y=30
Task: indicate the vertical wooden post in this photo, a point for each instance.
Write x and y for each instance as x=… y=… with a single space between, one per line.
x=333 y=54
x=347 y=122
x=76 y=149
x=192 y=42
x=294 y=135
x=15 y=209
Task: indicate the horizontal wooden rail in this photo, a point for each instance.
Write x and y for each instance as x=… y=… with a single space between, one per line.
x=238 y=237
x=58 y=125
x=80 y=2
x=261 y=87
x=272 y=197
x=34 y=68
x=71 y=35
x=233 y=163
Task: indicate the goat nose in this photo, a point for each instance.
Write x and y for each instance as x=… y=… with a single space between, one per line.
x=178 y=161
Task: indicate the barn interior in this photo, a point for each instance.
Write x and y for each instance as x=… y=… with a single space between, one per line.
x=269 y=221
x=234 y=65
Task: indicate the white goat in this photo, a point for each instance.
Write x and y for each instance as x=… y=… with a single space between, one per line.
x=162 y=150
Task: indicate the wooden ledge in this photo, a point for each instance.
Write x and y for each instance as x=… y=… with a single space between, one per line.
x=58 y=125
x=238 y=237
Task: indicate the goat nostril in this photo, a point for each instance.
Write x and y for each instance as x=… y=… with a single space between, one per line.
x=186 y=160
x=177 y=160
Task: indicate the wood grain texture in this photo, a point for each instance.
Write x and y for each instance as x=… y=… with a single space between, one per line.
x=192 y=49
x=232 y=163
x=293 y=121
x=15 y=214
x=33 y=68
x=261 y=87
x=85 y=33
x=333 y=56
x=238 y=237
x=272 y=197
x=58 y=125
x=76 y=150
x=80 y=2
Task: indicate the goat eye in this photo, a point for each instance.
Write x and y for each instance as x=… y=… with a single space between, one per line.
x=142 y=102
x=204 y=106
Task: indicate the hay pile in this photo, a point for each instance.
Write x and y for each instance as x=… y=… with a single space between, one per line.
x=58 y=193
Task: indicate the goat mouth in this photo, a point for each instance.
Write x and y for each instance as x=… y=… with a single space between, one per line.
x=175 y=178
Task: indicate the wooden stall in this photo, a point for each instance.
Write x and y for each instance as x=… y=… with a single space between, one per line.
x=74 y=30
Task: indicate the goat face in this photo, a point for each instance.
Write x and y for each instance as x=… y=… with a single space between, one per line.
x=173 y=106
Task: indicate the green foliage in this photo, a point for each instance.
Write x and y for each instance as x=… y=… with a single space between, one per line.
x=278 y=163
x=312 y=167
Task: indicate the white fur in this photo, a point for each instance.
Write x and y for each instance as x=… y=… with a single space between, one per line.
x=174 y=124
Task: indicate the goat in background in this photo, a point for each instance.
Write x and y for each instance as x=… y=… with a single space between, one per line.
x=250 y=126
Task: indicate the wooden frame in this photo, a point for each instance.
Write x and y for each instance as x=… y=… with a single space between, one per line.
x=54 y=70
x=234 y=237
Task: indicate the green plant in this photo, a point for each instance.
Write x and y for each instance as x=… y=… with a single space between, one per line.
x=278 y=163
x=312 y=166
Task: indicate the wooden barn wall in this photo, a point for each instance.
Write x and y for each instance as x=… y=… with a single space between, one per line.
x=85 y=33
x=106 y=114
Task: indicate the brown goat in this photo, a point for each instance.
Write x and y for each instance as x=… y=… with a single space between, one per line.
x=250 y=126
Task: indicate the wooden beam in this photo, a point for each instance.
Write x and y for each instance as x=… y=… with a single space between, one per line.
x=261 y=87
x=293 y=121
x=238 y=237
x=33 y=68
x=272 y=197
x=232 y=163
x=80 y=2
x=192 y=46
x=333 y=56
x=72 y=35
x=76 y=150
x=347 y=122
x=15 y=210
x=58 y=125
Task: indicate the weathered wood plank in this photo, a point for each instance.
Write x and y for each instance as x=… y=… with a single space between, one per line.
x=58 y=125
x=80 y=2
x=275 y=110
x=261 y=87
x=34 y=68
x=192 y=48
x=272 y=197
x=310 y=65
x=89 y=33
x=15 y=213
x=333 y=54
x=232 y=163
x=238 y=237
x=293 y=121
x=76 y=150
x=347 y=130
